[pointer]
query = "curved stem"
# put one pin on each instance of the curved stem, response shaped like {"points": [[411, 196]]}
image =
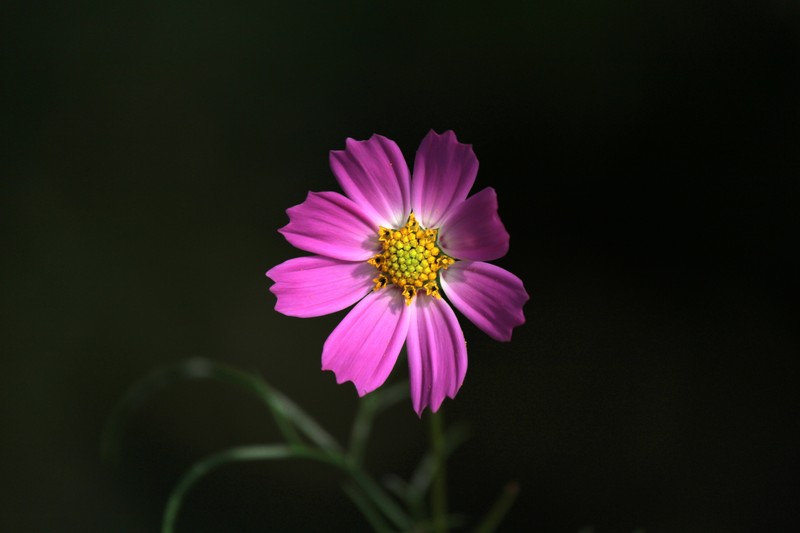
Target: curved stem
{"points": [[198, 368], [291, 421], [240, 453], [362, 480]]}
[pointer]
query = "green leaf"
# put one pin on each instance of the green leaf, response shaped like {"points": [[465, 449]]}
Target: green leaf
{"points": [[366, 507], [186, 370], [292, 422], [291, 411], [454, 436], [369, 407], [263, 452]]}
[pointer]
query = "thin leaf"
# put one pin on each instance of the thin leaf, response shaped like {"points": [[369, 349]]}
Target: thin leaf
{"points": [[386, 504], [396, 485], [241, 453], [402, 489], [454, 436], [369, 407], [196, 368], [365, 506], [289, 416], [304, 422]]}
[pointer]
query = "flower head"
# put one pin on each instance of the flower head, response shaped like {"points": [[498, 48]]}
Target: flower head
{"points": [[394, 245]]}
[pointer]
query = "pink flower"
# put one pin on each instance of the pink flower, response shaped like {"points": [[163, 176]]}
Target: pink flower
{"points": [[393, 245]]}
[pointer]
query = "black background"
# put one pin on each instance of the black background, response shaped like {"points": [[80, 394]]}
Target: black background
{"points": [[646, 160]]}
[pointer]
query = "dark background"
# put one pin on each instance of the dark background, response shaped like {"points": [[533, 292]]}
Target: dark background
{"points": [[646, 160]]}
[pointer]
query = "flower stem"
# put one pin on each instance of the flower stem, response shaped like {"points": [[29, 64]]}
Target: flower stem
{"points": [[439, 488]]}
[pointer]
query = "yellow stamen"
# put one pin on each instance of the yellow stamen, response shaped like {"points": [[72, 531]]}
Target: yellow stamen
{"points": [[410, 259]]}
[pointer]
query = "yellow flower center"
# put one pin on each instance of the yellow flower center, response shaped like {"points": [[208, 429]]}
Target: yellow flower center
{"points": [[410, 259]]}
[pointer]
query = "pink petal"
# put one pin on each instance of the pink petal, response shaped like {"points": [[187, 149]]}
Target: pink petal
{"points": [[332, 225], [374, 174], [364, 346], [437, 353], [490, 296], [444, 171], [316, 285], [473, 230]]}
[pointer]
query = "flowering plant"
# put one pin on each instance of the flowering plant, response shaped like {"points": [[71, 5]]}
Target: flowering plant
{"points": [[395, 245]]}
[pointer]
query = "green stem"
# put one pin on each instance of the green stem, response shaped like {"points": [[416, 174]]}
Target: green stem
{"points": [[365, 483], [439, 488], [240, 453], [368, 408]]}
